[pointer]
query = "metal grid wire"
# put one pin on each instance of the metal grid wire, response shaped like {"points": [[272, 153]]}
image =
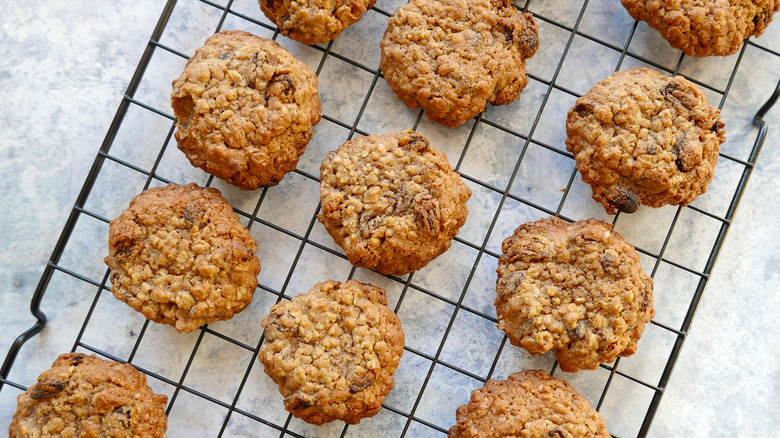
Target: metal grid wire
{"points": [[446, 350]]}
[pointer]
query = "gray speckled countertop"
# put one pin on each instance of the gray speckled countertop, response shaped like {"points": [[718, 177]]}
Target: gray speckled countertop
{"points": [[63, 70]]}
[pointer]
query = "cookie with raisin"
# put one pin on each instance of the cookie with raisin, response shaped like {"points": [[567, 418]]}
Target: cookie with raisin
{"points": [[643, 138], [577, 289], [333, 351], [181, 256], [392, 201], [245, 109]]}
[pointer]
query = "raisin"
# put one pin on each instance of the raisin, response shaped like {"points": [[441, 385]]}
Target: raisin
{"points": [[195, 217], [126, 246], [76, 361], [559, 432], [293, 403], [282, 86], [608, 262], [44, 390], [529, 40], [362, 382], [354, 389], [426, 208], [576, 334], [509, 33], [583, 109], [682, 150], [675, 91], [122, 414], [624, 199], [415, 142]]}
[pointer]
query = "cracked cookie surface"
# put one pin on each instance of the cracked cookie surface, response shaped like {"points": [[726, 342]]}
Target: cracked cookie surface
{"points": [[640, 137], [528, 404], [705, 28], [86, 396], [577, 289], [314, 21], [453, 57], [181, 256], [333, 351], [245, 109], [392, 202]]}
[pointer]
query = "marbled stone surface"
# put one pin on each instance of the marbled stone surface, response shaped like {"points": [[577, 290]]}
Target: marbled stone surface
{"points": [[65, 67]]}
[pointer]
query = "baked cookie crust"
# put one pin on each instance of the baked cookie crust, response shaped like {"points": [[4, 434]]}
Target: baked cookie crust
{"points": [[705, 28], [453, 57], [333, 351], [574, 288], [181, 256], [640, 137], [314, 21], [392, 202], [85, 395], [528, 404], [245, 109]]}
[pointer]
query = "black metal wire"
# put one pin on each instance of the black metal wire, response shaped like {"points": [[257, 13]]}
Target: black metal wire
{"points": [[408, 284]]}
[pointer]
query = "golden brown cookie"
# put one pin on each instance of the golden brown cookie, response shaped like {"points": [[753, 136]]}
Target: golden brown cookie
{"points": [[640, 137], [528, 404], [86, 396], [333, 351], [181, 256], [392, 202], [245, 109], [575, 288], [705, 28], [314, 21], [453, 57]]}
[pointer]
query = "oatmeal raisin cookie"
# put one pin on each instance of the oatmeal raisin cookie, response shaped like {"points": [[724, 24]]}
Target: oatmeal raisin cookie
{"points": [[245, 109], [86, 396], [333, 351], [453, 57], [528, 404], [181, 256], [392, 201], [640, 137], [574, 288]]}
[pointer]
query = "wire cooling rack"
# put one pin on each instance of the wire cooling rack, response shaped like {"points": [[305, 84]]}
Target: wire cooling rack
{"points": [[512, 157]]}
